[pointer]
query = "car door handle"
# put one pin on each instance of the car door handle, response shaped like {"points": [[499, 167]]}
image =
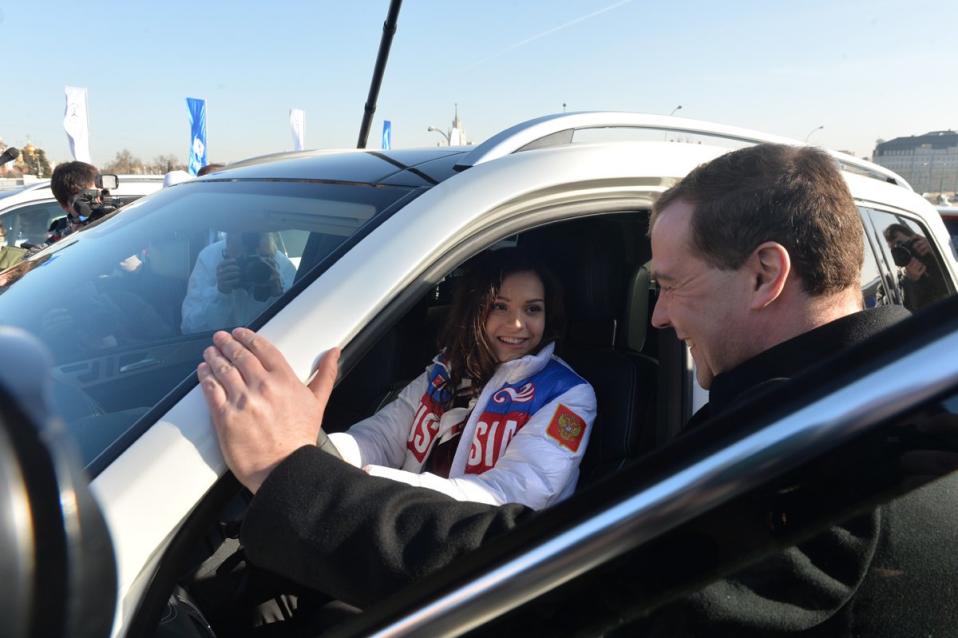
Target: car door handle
{"points": [[139, 365]]}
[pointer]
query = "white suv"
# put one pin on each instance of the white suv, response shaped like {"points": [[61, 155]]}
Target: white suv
{"points": [[376, 237], [27, 212]]}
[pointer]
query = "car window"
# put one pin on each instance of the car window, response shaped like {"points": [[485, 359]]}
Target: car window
{"points": [[916, 268], [951, 223], [874, 288], [127, 306], [29, 224]]}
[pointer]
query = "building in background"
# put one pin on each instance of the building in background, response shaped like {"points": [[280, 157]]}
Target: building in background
{"points": [[929, 162], [456, 135]]}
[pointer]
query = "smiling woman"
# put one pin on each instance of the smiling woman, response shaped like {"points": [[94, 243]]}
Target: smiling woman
{"points": [[496, 417]]}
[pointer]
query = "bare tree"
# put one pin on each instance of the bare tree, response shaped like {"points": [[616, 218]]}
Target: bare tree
{"points": [[165, 163], [125, 162]]}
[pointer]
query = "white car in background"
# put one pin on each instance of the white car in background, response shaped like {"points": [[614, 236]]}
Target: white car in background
{"points": [[376, 238], [27, 211]]}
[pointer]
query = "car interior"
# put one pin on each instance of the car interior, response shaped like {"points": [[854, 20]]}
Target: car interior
{"points": [[600, 261]]}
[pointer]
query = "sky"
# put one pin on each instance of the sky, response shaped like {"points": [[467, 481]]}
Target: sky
{"points": [[861, 70]]}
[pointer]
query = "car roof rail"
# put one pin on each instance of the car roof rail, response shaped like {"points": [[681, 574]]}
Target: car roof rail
{"points": [[559, 128]]}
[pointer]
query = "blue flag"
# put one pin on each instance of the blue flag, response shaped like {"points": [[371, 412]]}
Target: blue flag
{"points": [[387, 134], [198, 159]]}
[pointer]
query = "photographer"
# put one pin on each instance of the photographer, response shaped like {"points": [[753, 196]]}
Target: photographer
{"points": [[83, 193], [234, 280], [920, 277]]}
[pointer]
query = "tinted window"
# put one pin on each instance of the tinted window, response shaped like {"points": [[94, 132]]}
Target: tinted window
{"points": [[874, 290], [951, 223], [127, 306], [915, 265], [29, 224]]}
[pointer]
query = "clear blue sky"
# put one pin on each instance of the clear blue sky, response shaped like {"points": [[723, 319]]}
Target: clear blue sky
{"points": [[865, 69]]}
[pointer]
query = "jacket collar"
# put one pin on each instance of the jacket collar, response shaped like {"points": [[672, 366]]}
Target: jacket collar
{"points": [[786, 359], [523, 367]]}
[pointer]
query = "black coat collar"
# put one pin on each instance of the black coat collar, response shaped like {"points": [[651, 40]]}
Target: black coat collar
{"points": [[785, 360]]}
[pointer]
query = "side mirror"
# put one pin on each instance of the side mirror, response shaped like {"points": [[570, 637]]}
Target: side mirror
{"points": [[56, 558], [107, 181]]}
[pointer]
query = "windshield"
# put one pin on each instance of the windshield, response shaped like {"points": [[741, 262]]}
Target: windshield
{"points": [[127, 306]]}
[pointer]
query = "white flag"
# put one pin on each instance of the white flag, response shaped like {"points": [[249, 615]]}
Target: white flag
{"points": [[297, 126], [75, 123]]}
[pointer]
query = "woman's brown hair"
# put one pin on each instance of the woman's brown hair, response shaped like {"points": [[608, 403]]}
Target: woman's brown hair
{"points": [[463, 339]]}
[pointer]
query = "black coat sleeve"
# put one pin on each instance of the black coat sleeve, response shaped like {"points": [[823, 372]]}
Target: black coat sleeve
{"points": [[331, 527]]}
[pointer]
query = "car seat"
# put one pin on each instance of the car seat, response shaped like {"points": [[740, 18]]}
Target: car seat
{"points": [[606, 302]]}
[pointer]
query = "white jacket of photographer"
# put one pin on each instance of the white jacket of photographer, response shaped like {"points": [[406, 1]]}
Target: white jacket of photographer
{"points": [[205, 308]]}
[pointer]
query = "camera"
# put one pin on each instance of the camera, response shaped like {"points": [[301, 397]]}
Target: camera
{"points": [[93, 203], [256, 271], [902, 252]]}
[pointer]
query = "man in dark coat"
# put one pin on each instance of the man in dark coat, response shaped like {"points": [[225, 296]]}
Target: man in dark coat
{"points": [[757, 256]]}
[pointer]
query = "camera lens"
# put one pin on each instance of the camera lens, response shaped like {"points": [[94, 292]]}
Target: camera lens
{"points": [[901, 254], [257, 271]]}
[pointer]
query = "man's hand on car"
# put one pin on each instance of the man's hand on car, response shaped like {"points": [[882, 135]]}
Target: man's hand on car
{"points": [[262, 412]]}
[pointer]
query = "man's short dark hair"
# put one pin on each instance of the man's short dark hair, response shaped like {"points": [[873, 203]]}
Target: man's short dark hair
{"points": [[70, 179], [795, 196]]}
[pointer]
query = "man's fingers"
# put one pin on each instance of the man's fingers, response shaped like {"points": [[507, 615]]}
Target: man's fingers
{"points": [[269, 356], [240, 356], [212, 390], [224, 372], [324, 377]]}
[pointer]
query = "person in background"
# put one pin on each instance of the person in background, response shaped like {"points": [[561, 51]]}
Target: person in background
{"points": [[69, 181], [234, 280], [920, 276], [9, 255]]}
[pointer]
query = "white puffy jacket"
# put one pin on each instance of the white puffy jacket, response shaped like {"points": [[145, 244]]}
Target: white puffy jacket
{"points": [[522, 441]]}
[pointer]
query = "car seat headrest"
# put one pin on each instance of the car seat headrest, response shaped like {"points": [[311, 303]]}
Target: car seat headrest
{"points": [[636, 324]]}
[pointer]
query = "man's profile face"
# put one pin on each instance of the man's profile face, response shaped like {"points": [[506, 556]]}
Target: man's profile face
{"points": [[707, 306]]}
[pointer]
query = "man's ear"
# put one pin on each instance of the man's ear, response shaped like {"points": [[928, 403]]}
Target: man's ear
{"points": [[769, 266]]}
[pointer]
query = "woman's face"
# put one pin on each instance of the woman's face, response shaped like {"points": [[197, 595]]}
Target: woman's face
{"points": [[517, 318]]}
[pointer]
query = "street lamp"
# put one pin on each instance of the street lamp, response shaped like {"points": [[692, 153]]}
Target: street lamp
{"points": [[677, 108], [433, 129], [817, 128]]}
